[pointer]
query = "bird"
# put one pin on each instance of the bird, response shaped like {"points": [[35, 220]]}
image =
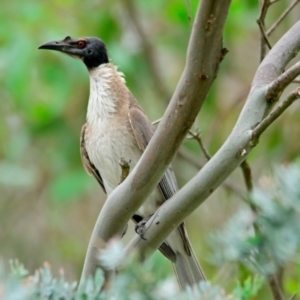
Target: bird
{"points": [[117, 127]]}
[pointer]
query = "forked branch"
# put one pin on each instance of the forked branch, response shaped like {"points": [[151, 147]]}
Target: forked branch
{"points": [[231, 154]]}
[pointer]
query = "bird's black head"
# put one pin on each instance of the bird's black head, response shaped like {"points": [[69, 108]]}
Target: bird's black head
{"points": [[90, 50]]}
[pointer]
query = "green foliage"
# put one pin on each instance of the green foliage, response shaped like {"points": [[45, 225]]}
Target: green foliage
{"points": [[48, 203], [275, 216], [133, 282], [249, 288]]}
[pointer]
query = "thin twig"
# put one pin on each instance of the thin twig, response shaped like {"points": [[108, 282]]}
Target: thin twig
{"points": [[246, 170], [264, 8], [230, 186], [247, 174], [278, 85], [273, 115], [189, 12], [263, 34], [196, 136], [148, 50], [293, 296], [281, 18], [275, 287], [157, 121], [261, 23]]}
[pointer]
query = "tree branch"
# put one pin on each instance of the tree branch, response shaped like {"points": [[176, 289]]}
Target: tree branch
{"points": [[281, 18], [264, 37], [246, 169], [247, 175], [232, 153], [275, 287], [261, 23], [273, 115], [230, 186], [196, 136], [148, 50], [277, 86], [191, 91], [293, 297]]}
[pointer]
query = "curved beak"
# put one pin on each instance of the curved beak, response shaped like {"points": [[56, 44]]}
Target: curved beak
{"points": [[62, 46]]}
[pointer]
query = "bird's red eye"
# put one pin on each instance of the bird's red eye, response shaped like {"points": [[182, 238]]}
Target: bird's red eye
{"points": [[81, 44]]}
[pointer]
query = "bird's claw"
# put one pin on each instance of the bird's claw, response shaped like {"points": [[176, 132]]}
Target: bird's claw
{"points": [[140, 227]]}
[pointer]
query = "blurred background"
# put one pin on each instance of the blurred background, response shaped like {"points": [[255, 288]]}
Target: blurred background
{"points": [[48, 204]]}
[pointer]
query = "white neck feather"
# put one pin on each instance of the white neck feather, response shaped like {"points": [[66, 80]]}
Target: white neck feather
{"points": [[101, 103]]}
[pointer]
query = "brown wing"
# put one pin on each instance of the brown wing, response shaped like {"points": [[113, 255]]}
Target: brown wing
{"points": [[87, 164], [143, 130]]}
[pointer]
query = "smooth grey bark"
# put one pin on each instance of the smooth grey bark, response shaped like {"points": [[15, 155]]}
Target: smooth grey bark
{"points": [[268, 80]]}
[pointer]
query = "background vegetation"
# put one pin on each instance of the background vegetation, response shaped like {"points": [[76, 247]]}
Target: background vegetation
{"points": [[48, 203]]}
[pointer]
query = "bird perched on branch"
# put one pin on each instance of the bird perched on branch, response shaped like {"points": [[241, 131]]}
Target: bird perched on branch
{"points": [[118, 128]]}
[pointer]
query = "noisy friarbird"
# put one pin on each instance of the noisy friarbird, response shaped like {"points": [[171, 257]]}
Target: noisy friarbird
{"points": [[116, 128]]}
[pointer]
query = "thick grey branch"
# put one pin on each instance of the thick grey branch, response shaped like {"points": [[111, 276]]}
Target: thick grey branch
{"points": [[229, 157], [203, 58]]}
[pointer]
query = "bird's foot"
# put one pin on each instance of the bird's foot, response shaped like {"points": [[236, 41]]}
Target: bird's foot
{"points": [[140, 227]]}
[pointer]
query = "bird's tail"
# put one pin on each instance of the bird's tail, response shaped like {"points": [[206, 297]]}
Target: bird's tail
{"points": [[187, 269]]}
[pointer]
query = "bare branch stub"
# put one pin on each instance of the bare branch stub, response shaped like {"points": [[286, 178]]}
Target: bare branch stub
{"points": [[125, 166], [197, 136]]}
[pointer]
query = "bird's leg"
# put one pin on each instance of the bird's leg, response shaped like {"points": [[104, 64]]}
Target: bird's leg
{"points": [[125, 166]]}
